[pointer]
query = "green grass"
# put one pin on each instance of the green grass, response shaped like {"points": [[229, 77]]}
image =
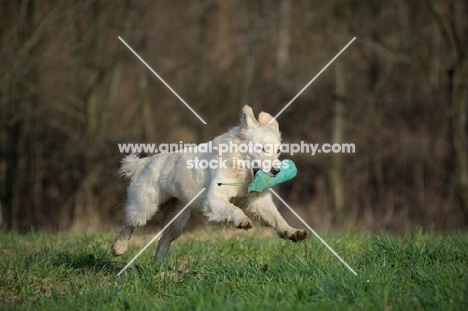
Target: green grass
{"points": [[65, 272]]}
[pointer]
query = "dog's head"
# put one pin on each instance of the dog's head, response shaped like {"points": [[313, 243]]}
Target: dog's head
{"points": [[264, 140]]}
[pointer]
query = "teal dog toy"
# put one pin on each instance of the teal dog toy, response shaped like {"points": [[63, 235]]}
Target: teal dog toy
{"points": [[263, 181]]}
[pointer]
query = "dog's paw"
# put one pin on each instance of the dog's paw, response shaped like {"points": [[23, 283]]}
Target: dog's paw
{"points": [[294, 235], [119, 247], [245, 224], [299, 235]]}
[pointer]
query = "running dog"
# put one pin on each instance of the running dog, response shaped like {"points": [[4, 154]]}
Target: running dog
{"points": [[166, 182]]}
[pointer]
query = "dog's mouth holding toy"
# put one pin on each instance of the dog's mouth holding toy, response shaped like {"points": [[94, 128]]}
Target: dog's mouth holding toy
{"points": [[263, 181], [272, 172], [255, 170]]}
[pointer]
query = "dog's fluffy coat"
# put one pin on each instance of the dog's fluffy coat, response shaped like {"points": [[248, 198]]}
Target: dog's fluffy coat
{"points": [[164, 183]]}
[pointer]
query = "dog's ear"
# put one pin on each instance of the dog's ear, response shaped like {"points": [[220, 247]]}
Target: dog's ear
{"points": [[265, 118], [248, 117]]}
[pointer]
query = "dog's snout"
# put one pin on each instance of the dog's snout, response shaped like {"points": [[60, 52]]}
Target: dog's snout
{"points": [[275, 170]]}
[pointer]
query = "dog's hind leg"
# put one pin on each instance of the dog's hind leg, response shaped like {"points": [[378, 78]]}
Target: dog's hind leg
{"points": [[137, 210], [120, 245], [173, 231]]}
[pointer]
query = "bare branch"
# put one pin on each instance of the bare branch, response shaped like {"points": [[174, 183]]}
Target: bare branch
{"points": [[447, 33]]}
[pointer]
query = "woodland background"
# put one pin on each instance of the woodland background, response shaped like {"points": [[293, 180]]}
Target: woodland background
{"points": [[70, 91]]}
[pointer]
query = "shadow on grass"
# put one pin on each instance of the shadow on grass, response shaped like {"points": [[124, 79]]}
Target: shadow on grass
{"points": [[92, 263], [85, 262]]}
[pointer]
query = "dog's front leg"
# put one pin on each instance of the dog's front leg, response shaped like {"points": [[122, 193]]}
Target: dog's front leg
{"points": [[218, 209], [265, 209]]}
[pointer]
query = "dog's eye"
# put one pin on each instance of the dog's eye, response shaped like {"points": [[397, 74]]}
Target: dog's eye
{"points": [[278, 151]]}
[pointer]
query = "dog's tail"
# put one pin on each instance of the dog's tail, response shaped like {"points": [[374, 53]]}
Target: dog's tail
{"points": [[132, 165]]}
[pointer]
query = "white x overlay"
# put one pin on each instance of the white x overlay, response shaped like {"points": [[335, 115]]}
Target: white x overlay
{"points": [[313, 231], [162, 80], [313, 79], [271, 190], [160, 232]]}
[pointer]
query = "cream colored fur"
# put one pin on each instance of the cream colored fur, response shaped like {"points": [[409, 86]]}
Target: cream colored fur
{"points": [[164, 183]]}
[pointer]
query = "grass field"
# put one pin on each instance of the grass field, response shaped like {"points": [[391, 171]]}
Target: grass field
{"points": [[212, 269]]}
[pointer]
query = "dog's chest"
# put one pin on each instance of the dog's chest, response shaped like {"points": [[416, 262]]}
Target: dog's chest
{"points": [[242, 201]]}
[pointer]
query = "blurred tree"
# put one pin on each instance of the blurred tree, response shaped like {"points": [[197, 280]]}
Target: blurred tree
{"points": [[70, 91], [336, 171], [453, 28], [23, 159], [253, 19], [284, 37]]}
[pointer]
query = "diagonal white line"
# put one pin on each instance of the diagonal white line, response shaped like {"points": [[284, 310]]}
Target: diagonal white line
{"points": [[312, 230], [160, 232], [162, 80], [313, 79]]}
